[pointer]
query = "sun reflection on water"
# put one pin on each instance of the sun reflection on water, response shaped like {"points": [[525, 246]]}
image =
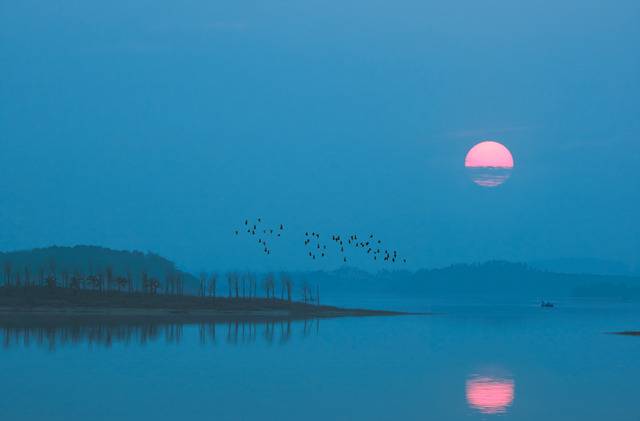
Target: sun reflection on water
{"points": [[490, 395]]}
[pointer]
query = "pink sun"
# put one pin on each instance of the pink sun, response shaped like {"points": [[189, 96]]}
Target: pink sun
{"points": [[489, 163]]}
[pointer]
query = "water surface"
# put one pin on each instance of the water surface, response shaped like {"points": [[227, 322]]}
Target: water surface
{"points": [[474, 360]]}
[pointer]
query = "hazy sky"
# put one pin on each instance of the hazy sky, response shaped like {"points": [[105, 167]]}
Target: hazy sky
{"points": [[160, 125]]}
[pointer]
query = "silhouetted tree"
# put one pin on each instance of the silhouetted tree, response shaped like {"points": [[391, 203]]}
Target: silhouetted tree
{"points": [[269, 285], [306, 292], [65, 278], [27, 276], [203, 284], [8, 270], [286, 286], [232, 283], [252, 285], [213, 280], [52, 267], [129, 281], [109, 275], [121, 283], [41, 276]]}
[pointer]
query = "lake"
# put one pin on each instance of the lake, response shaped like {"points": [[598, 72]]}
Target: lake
{"points": [[472, 360]]}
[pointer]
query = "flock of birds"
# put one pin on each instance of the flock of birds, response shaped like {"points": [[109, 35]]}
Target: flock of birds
{"points": [[257, 229], [319, 247], [371, 246]]}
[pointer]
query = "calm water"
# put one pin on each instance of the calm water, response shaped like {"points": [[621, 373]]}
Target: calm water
{"points": [[471, 362]]}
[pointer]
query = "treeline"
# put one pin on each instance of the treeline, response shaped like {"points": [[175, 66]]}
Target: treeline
{"points": [[248, 285], [104, 270], [99, 279]]}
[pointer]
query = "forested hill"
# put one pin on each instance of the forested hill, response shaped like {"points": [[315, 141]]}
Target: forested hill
{"points": [[494, 278], [34, 265]]}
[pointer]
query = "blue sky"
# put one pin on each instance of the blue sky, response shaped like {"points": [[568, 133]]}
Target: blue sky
{"points": [[162, 125]]}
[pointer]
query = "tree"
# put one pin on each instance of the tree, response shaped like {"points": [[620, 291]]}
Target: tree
{"points": [[179, 284], [232, 283], [287, 286], [129, 281], [121, 282], [76, 280], [306, 292], [65, 278], [27, 276], [144, 277], [41, 276], [52, 267], [244, 281], [109, 275], [8, 269], [236, 284], [51, 281], [213, 280], [269, 285], [203, 284], [252, 285]]}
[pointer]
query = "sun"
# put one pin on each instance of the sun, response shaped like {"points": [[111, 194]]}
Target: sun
{"points": [[489, 163]]}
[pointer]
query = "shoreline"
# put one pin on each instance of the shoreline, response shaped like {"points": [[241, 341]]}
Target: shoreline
{"points": [[65, 303], [187, 313]]}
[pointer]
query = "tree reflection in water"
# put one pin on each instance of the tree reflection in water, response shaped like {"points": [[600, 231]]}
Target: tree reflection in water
{"points": [[52, 334]]}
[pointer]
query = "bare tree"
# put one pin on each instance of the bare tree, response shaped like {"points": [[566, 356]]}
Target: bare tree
{"points": [[121, 282], [203, 284], [76, 280], [179, 284], [41, 276], [149, 285], [244, 281], [306, 292], [232, 282], [269, 285], [51, 281], [213, 280], [236, 284], [109, 275], [8, 270], [65, 278], [129, 281], [52, 267], [27, 276], [252, 285], [144, 277], [287, 286], [154, 284]]}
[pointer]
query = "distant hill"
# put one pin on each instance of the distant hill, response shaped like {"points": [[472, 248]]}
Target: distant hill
{"points": [[584, 265], [88, 260], [496, 278]]}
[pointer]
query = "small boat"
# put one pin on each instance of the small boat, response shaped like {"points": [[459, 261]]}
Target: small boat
{"points": [[547, 304]]}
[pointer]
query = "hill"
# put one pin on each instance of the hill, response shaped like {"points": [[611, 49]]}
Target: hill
{"points": [[494, 278], [35, 266]]}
